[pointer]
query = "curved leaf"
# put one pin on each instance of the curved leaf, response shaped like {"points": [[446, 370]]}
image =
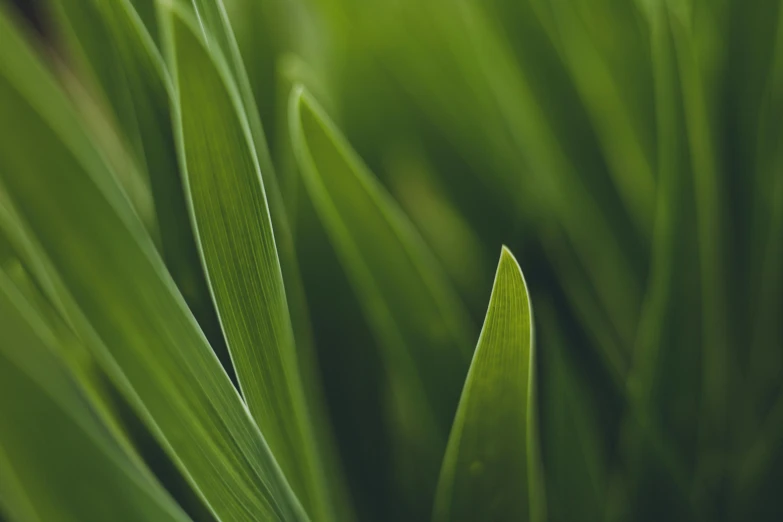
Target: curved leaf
{"points": [[49, 430], [139, 327], [416, 318], [393, 272], [695, 72], [117, 50], [218, 32], [618, 128], [491, 467], [233, 225]]}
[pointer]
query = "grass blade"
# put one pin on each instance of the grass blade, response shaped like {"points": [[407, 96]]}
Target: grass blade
{"points": [[454, 241], [218, 32], [574, 459], [707, 189], [374, 234], [232, 221], [49, 430], [139, 327], [518, 138], [491, 467], [597, 84], [119, 53], [660, 387], [419, 325]]}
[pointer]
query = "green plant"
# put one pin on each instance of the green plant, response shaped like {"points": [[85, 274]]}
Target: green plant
{"points": [[203, 317]]}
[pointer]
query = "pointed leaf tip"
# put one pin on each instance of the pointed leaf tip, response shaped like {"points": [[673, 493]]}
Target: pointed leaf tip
{"points": [[491, 463]]}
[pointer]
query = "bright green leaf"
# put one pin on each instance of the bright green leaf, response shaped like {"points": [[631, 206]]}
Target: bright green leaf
{"points": [[218, 32], [491, 468], [139, 327], [49, 430], [232, 222]]}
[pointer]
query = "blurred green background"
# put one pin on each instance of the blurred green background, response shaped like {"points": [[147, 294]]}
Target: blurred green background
{"points": [[630, 154]]}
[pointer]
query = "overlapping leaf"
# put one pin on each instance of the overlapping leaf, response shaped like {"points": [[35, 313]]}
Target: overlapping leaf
{"points": [[122, 301], [659, 429], [36, 468], [395, 276], [695, 70], [442, 57], [218, 32], [417, 320], [114, 45], [573, 454], [619, 131], [232, 222]]}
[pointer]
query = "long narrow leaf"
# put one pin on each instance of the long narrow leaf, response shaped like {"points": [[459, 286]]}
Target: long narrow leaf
{"points": [[139, 327], [232, 221], [709, 216], [219, 34], [120, 54], [419, 325], [574, 458], [631, 169], [372, 236], [49, 430]]}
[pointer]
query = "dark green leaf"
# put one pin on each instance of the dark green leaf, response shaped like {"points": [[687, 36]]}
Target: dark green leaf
{"points": [[418, 321]]}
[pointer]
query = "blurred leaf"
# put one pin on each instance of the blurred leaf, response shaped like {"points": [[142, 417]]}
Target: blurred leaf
{"points": [[491, 468], [116, 48], [586, 306], [113, 48], [417, 319], [759, 467], [574, 459], [449, 235], [375, 239], [447, 67], [570, 200], [698, 48], [659, 435], [292, 70], [607, 104], [139, 327], [147, 10], [49, 431], [38, 281], [766, 295], [232, 221], [21, 246], [354, 380], [68, 348]]}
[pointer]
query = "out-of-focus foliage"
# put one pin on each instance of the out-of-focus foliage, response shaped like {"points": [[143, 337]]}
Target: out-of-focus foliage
{"points": [[246, 246]]}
